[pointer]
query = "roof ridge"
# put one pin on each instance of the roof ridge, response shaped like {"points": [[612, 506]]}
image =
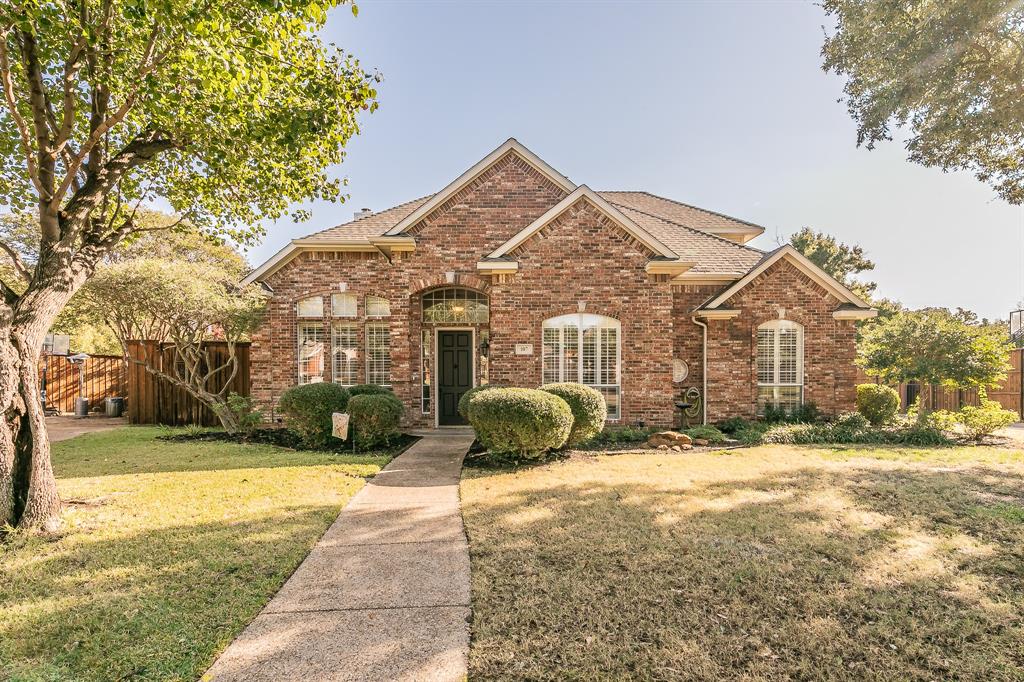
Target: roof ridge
{"points": [[686, 227], [683, 203]]}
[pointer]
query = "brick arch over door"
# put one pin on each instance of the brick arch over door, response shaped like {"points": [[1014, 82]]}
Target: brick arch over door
{"points": [[440, 280]]}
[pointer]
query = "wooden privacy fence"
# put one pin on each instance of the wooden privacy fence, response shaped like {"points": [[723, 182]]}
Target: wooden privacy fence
{"points": [[104, 376], [1010, 394], [154, 400]]}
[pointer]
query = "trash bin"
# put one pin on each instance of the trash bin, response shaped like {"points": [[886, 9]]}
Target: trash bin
{"points": [[115, 407], [81, 407]]}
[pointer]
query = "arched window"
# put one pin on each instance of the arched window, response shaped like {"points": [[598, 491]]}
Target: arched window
{"points": [[455, 305], [780, 365], [584, 348]]}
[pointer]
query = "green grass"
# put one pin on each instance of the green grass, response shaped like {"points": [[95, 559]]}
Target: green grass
{"points": [[768, 563], [168, 550]]}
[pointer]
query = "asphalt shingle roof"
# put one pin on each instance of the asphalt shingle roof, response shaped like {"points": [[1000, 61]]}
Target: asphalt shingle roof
{"points": [[679, 226]]}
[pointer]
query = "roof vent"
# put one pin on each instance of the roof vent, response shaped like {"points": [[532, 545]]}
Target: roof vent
{"points": [[362, 213]]}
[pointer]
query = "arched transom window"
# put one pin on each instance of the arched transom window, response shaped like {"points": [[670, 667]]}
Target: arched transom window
{"points": [[584, 348], [455, 305], [780, 365]]}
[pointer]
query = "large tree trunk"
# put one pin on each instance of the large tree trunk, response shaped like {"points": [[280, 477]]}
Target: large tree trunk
{"points": [[28, 490]]}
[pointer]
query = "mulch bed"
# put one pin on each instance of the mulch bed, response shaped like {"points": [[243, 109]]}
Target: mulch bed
{"points": [[283, 438]]}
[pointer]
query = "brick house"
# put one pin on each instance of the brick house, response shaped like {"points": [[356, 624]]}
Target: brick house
{"points": [[515, 275]]}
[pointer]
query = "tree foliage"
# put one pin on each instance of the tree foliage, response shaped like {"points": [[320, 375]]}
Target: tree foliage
{"points": [[934, 346], [836, 258], [184, 304], [226, 111], [951, 73]]}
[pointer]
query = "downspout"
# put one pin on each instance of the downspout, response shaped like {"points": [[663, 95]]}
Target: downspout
{"points": [[704, 372]]}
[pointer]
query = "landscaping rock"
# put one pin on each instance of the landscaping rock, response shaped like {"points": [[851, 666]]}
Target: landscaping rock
{"points": [[669, 438], [677, 448], [663, 447], [702, 442]]}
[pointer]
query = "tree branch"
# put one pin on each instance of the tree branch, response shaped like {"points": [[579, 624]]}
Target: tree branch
{"points": [[23, 128], [19, 265], [38, 102]]}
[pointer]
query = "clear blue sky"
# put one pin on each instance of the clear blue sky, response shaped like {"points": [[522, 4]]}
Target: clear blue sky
{"points": [[722, 105]]}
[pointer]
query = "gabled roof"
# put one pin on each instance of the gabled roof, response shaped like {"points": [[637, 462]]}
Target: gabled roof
{"points": [[685, 214], [511, 145], [373, 225], [585, 193], [803, 264]]}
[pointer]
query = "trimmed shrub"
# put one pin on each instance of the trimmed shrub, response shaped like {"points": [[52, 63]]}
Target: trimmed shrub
{"points": [[308, 408], [878, 403], [520, 422], [588, 409], [733, 425], [850, 429], [463, 406], [708, 433], [375, 418], [369, 389]]}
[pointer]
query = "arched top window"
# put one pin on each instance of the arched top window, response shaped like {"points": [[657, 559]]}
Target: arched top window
{"points": [[780, 365], [377, 306], [455, 305], [584, 348], [311, 306]]}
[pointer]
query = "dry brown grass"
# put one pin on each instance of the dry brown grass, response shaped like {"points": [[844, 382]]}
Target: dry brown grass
{"points": [[760, 564]]}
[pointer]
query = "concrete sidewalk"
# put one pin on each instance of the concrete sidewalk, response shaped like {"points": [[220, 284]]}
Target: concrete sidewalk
{"points": [[384, 595]]}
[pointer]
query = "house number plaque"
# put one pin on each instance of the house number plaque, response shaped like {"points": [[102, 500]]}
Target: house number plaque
{"points": [[524, 349]]}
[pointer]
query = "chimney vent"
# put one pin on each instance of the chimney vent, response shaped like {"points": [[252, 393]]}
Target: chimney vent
{"points": [[362, 213]]}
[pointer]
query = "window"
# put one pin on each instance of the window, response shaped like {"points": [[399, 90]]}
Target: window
{"points": [[377, 307], [427, 353], [345, 346], [584, 348], [378, 354], [310, 307], [311, 352], [455, 305], [780, 365], [343, 305]]}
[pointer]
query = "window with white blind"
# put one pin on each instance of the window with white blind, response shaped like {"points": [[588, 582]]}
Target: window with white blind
{"points": [[378, 353], [780, 365], [343, 305], [311, 352], [312, 306], [345, 347], [377, 306], [584, 348]]}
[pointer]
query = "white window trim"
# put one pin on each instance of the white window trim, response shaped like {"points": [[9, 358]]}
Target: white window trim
{"points": [[776, 326], [366, 344], [604, 322]]}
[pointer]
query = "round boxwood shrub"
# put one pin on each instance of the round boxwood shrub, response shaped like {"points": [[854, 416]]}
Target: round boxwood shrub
{"points": [[375, 418], [878, 403], [369, 389], [468, 395], [520, 422], [307, 410], [588, 409]]}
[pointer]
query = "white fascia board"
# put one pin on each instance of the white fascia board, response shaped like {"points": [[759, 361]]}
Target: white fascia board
{"points": [[804, 265], [855, 314], [717, 314], [500, 266], [478, 168], [584, 192], [668, 267], [297, 246], [707, 277]]}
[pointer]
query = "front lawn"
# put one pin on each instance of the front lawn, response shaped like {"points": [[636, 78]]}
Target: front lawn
{"points": [[169, 549], [774, 562]]}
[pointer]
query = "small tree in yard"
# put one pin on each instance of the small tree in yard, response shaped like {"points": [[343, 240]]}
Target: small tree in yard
{"points": [[228, 111], [186, 305], [935, 347]]}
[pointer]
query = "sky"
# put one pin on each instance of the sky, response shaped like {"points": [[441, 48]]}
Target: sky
{"points": [[719, 104]]}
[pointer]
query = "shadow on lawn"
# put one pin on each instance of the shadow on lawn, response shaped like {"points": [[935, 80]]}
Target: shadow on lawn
{"points": [[153, 605], [823, 573]]}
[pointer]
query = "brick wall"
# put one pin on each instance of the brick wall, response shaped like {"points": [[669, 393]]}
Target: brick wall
{"points": [[829, 344]]}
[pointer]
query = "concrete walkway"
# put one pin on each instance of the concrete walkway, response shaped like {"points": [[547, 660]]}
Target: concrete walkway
{"points": [[384, 595], [63, 427]]}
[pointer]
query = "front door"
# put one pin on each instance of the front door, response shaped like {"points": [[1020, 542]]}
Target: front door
{"points": [[455, 373]]}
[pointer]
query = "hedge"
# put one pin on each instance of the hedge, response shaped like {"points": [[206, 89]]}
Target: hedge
{"points": [[878, 403], [307, 410], [588, 409], [375, 417], [520, 422]]}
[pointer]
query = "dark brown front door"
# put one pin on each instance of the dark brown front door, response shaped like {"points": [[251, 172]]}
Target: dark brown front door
{"points": [[455, 374]]}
